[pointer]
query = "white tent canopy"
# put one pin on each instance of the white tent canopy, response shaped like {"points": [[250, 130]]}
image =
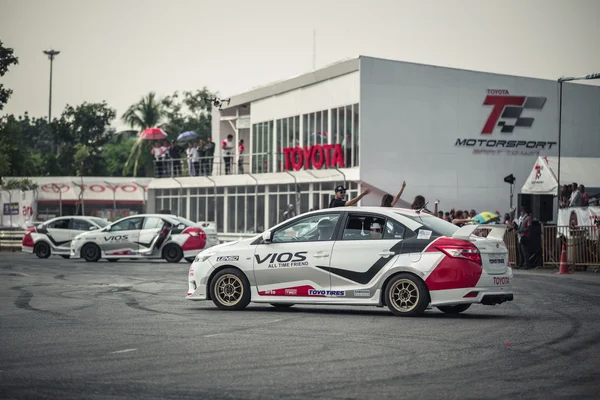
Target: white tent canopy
{"points": [[543, 178]]}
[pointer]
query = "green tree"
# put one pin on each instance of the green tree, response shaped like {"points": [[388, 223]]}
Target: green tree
{"points": [[190, 113], [6, 60], [146, 113], [89, 123]]}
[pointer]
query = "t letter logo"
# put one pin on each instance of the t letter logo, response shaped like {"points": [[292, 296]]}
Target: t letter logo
{"points": [[510, 107]]}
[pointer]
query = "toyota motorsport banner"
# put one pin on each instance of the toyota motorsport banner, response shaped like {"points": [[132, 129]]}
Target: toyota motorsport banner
{"points": [[17, 208], [587, 218]]}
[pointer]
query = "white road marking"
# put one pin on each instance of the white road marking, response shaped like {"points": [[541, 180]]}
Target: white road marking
{"points": [[123, 351]]}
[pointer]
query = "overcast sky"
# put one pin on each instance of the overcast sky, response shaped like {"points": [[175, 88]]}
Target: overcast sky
{"points": [[119, 50]]}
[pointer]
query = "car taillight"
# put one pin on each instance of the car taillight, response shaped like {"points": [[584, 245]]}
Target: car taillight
{"points": [[27, 239], [194, 231], [459, 250]]}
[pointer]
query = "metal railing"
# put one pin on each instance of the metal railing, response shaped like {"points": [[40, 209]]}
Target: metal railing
{"points": [[255, 163], [582, 245], [11, 240]]}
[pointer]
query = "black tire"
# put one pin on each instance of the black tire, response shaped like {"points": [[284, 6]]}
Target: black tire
{"points": [[90, 252], [190, 259], [407, 289], [63, 256], [282, 305], [112, 259], [233, 280], [42, 250], [457, 309], [172, 253]]}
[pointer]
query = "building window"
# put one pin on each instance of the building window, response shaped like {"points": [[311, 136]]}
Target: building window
{"points": [[345, 131]]}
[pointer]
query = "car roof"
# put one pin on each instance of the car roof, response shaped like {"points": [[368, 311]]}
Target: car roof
{"points": [[376, 209], [169, 217]]}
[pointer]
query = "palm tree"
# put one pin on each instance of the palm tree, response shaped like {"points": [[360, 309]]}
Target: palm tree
{"points": [[146, 113]]}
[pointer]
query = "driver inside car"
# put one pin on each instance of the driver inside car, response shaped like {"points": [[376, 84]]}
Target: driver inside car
{"points": [[325, 228]]}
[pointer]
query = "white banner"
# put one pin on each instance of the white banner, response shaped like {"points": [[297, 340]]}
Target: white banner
{"points": [[18, 208], [586, 218], [94, 188]]}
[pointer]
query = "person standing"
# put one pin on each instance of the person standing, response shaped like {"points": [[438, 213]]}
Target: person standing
{"points": [[202, 158], [227, 147], [241, 149], [196, 160], [191, 150], [389, 201], [209, 153], [176, 158], [340, 194], [523, 225]]}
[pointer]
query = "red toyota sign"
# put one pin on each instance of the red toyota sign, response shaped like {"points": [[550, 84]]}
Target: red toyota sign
{"points": [[314, 157]]}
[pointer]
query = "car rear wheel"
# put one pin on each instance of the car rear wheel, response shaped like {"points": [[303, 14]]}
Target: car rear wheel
{"points": [[281, 305], [406, 295], [172, 253], [230, 289], [42, 249], [457, 309], [90, 252]]}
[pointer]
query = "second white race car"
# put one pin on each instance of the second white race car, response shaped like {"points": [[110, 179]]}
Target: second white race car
{"points": [[364, 256], [152, 236]]}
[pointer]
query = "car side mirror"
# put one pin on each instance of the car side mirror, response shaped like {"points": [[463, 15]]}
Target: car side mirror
{"points": [[93, 228], [267, 236]]}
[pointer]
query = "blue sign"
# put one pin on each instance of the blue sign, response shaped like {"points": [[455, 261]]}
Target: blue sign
{"points": [[11, 209]]}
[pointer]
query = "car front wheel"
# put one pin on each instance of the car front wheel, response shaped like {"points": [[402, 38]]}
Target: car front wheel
{"points": [[406, 295], [230, 289], [457, 309], [90, 252]]}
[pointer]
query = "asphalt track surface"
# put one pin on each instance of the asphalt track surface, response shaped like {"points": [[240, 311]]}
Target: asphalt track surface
{"points": [[74, 330]]}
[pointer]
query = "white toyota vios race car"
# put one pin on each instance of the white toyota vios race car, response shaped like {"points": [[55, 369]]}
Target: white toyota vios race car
{"points": [[54, 236], [364, 256], [152, 236]]}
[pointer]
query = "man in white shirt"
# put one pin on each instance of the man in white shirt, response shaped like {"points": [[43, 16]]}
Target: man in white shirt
{"points": [[192, 154], [227, 147], [157, 152]]}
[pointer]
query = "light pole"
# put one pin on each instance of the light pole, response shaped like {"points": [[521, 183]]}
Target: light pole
{"points": [[560, 82], [51, 54]]}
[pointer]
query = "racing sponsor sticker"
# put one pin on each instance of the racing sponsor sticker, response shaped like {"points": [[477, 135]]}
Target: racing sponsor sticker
{"points": [[424, 234], [228, 258], [291, 292], [334, 293], [503, 280], [362, 293]]}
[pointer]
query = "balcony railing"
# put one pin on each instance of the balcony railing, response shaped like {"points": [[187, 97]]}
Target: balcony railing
{"points": [[255, 163]]}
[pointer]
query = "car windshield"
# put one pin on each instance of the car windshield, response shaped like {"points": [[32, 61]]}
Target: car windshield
{"points": [[101, 222], [434, 223]]}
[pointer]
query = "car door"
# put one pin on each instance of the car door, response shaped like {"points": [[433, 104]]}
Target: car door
{"points": [[154, 232], [296, 261], [59, 234], [122, 237], [79, 225], [367, 244]]}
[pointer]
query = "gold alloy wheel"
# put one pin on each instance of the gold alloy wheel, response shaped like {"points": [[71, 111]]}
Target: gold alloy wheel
{"points": [[229, 289], [404, 295]]}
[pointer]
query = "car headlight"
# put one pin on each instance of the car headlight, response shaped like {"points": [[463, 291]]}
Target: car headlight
{"points": [[205, 255]]}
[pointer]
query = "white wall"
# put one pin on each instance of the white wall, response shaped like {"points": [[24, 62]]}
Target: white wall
{"points": [[411, 116], [336, 92]]}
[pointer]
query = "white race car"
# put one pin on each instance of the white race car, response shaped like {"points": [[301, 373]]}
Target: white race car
{"points": [[153, 236], [54, 236], [364, 256]]}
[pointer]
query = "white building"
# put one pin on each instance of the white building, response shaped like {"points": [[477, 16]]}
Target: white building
{"points": [[452, 134]]}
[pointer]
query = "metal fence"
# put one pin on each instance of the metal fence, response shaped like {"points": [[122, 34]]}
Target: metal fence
{"points": [[582, 246]]}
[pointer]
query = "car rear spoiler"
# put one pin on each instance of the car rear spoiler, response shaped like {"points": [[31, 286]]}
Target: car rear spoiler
{"points": [[496, 231]]}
